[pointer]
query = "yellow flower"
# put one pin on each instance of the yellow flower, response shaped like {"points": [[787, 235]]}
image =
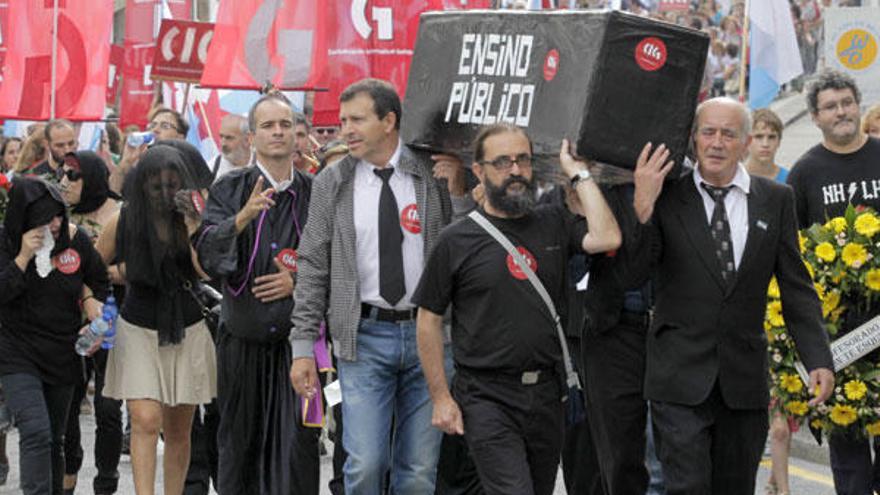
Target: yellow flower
{"points": [[802, 242], [873, 429], [797, 407], [774, 313], [872, 279], [820, 290], [843, 415], [830, 303], [791, 383], [854, 254], [810, 270], [817, 424], [867, 224], [855, 389], [825, 251], [773, 288], [837, 224]]}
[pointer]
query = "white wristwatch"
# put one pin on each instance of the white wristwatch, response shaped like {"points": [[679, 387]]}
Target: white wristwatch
{"points": [[580, 176]]}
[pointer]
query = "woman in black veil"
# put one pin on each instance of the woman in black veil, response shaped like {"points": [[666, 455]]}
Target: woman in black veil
{"points": [[163, 361]]}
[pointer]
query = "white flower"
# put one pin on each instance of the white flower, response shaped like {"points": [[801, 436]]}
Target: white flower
{"points": [[782, 336], [841, 242], [777, 357]]}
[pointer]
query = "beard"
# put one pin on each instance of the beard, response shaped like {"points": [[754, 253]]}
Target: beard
{"points": [[514, 204]]}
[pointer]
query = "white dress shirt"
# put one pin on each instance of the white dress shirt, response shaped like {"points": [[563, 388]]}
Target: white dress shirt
{"points": [[278, 186], [367, 189], [736, 204]]}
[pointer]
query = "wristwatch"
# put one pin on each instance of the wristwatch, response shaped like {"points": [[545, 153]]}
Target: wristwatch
{"points": [[580, 176]]}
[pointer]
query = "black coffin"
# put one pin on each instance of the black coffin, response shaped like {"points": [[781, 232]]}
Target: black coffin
{"points": [[609, 81]]}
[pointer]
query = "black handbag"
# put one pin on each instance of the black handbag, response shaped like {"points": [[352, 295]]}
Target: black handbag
{"points": [[209, 301]]}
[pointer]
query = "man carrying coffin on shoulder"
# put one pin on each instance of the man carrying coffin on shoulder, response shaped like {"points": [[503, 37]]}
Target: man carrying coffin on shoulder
{"points": [[507, 390]]}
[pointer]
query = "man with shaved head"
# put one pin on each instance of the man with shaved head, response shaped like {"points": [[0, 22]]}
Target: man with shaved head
{"points": [[716, 237]]}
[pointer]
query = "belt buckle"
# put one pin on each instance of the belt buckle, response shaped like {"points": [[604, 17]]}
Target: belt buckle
{"points": [[530, 377]]}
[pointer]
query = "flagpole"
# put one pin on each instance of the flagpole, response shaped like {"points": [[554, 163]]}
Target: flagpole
{"points": [[205, 120], [54, 59], [744, 53]]}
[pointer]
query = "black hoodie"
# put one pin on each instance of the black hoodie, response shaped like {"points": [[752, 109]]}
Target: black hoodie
{"points": [[41, 316]]}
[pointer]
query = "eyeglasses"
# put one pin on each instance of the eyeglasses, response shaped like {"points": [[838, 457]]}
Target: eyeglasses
{"points": [[831, 106], [325, 130], [162, 125], [72, 175], [504, 163]]}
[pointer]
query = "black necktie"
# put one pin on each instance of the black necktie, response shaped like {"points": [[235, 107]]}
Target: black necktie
{"points": [[720, 228], [392, 285]]}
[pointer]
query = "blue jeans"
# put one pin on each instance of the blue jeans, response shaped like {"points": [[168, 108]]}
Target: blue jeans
{"points": [[384, 387], [40, 412]]}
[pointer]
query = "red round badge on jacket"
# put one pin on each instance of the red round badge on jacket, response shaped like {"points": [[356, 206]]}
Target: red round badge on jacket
{"points": [[287, 257], [409, 219], [515, 269], [651, 54], [551, 64], [198, 201], [67, 261]]}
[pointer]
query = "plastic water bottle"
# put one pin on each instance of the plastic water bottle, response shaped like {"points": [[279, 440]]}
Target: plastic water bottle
{"points": [[136, 139], [110, 312], [105, 326]]}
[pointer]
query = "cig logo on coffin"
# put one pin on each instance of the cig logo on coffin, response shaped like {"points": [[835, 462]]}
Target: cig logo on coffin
{"points": [[498, 89]]}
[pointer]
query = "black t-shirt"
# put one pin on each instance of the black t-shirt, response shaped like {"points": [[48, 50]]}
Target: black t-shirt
{"points": [[499, 322], [825, 182]]}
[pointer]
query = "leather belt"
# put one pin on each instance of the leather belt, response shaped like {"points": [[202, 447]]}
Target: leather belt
{"points": [[529, 377], [381, 314]]}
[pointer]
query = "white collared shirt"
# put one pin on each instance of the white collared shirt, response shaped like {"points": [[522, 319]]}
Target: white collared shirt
{"points": [[278, 186], [367, 189], [736, 203]]}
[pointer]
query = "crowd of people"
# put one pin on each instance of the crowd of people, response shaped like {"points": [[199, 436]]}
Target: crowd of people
{"points": [[484, 330]]}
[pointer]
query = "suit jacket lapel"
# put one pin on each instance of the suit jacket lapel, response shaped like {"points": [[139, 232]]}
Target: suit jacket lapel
{"points": [[692, 215], [758, 223]]}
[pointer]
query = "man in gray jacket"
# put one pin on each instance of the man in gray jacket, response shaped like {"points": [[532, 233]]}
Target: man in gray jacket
{"points": [[373, 219]]}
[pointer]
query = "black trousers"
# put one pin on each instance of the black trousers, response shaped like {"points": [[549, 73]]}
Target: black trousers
{"points": [[514, 431], [263, 447], [203, 451], [614, 377], [854, 472], [40, 412], [709, 448], [108, 428]]}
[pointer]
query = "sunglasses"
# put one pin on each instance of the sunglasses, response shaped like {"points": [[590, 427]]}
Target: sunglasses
{"points": [[325, 130], [71, 174]]}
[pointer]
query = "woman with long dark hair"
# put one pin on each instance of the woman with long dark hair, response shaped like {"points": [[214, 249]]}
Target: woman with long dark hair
{"points": [[163, 360], [41, 313]]}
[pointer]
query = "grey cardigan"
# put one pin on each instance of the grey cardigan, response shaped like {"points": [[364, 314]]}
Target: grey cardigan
{"points": [[327, 277]]}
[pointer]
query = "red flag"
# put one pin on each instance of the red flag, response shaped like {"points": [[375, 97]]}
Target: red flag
{"points": [[137, 88], [114, 74], [83, 51], [4, 23], [372, 38], [267, 41]]}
